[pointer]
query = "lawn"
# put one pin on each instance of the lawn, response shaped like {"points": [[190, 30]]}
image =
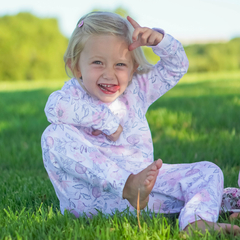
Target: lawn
{"points": [[195, 121]]}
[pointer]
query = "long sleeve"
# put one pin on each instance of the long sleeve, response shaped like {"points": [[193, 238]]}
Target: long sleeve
{"points": [[84, 179], [71, 106], [165, 74]]}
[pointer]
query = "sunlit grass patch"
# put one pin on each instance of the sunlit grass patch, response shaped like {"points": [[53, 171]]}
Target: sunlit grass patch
{"points": [[210, 77], [7, 86], [198, 120]]}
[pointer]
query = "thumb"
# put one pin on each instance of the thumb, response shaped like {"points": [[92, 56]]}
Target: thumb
{"points": [[134, 45]]}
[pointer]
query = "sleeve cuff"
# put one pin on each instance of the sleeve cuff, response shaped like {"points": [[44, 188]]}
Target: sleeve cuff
{"points": [[162, 49], [111, 127], [160, 30]]}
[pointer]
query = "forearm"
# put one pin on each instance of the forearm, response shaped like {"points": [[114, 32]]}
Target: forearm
{"points": [[166, 73], [63, 108], [173, 58]]}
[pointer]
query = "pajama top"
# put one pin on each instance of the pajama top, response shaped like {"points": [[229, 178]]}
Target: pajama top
{"points": [[74, 114]]}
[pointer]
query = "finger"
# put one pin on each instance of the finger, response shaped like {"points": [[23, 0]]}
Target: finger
{"points": [[96, 132], [112, 137], [152, 40], [138, 32], [140, 37], [108, 136], [133, 22], [155, 38], [134, 45], [144, 38]]}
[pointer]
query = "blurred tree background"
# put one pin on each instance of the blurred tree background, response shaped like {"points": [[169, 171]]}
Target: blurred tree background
{"points": [[33, 48], [214, 56]]}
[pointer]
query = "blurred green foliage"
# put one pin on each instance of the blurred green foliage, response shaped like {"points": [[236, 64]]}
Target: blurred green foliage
{"points": [[33, 48], [208, 57], [214, 56]]}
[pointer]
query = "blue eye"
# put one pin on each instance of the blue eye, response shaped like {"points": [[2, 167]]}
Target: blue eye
{"points": [[121, 64], [97, 62]]}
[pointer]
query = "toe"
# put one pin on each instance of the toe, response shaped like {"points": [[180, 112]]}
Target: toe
{"points": [[158, 163], [234, 216]]}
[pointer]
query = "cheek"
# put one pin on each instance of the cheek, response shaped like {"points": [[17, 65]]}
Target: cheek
{"points": [[126, 76], [90, 74], [130, 76]]}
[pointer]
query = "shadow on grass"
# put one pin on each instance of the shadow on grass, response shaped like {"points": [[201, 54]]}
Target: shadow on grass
{"points": [[22, 121], [24, 181]]}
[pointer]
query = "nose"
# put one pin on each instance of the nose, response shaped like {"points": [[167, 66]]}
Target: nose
{"points": [[108, 73]]}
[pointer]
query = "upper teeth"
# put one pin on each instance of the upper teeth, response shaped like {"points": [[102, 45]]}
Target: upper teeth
{"points": [[105, 85]]}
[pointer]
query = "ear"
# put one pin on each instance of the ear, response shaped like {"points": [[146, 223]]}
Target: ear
{"points": [[69, 64], [76, 72], [135, 67]]}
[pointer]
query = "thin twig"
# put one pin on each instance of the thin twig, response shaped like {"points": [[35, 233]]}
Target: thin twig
{"points": [[138, 209]]}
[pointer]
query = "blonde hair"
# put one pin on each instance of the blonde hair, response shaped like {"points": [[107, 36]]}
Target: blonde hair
{"points": [[97, 23]]}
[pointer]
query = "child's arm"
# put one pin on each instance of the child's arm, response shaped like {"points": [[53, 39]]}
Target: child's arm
{"points": [[68, 106], [167, 72]]}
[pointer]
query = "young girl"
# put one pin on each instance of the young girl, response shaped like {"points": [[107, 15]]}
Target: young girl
{"points": [[98, 149]]}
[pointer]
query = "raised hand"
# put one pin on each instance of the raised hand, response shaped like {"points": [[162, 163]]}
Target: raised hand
{"points": [[143, 36]]}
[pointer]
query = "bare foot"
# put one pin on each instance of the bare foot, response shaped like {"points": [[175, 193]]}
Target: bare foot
{"points": [[211, 226], [234, 216], [144, 181]]}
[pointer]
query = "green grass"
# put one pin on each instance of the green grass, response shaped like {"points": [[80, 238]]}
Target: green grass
{"points": [[197, 120]]}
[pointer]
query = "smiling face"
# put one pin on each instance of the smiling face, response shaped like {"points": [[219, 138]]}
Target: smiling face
{"points": [[106, 67]]}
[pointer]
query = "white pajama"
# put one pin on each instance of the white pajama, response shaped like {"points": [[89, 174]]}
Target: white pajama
{"points": [[89, 172]]}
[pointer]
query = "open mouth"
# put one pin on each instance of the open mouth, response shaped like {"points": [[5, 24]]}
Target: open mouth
{"points": [[109, 88]]}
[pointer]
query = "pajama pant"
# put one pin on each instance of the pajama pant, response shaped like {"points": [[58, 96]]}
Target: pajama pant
{"points": [[193, 190]]}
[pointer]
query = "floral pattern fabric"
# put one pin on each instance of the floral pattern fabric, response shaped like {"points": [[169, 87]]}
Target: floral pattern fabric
{"points": [[231, 200], [88, 172]]}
